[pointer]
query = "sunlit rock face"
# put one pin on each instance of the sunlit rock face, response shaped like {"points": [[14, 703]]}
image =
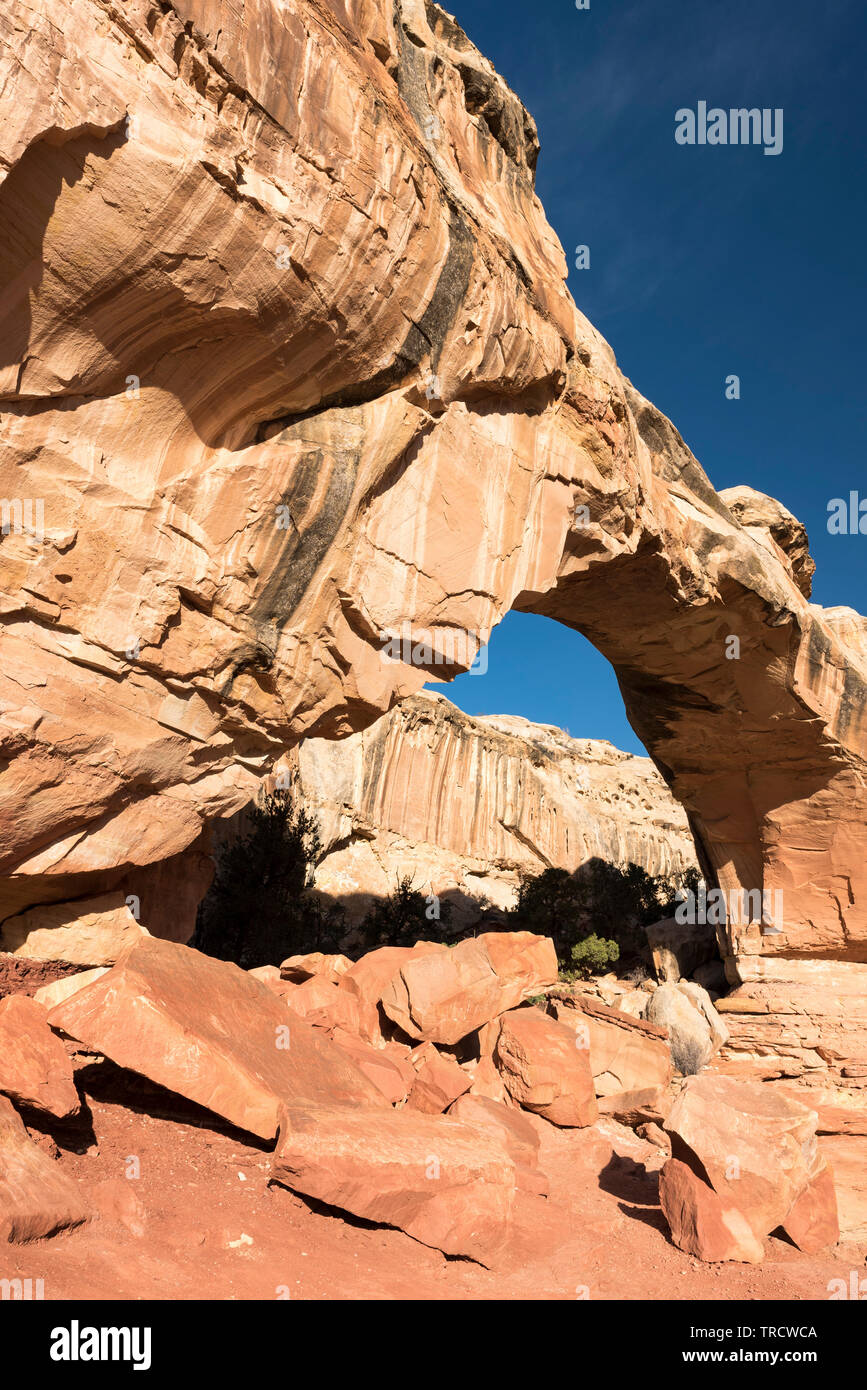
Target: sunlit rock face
{"points": [[287, 360], [464, 805]]}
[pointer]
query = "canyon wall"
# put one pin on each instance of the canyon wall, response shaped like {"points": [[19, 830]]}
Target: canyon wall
{"points": [[288, 361], [464, 804]]}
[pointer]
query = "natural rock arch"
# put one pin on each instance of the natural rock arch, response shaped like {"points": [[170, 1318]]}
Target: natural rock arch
{"points": [[296, 364]]}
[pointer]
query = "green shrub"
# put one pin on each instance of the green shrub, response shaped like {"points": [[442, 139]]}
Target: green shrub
{"points": [[604, 899], [593, 954]]}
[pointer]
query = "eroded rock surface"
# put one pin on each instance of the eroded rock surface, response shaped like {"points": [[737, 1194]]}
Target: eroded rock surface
{"points": [[464, 804], [288, 364]]}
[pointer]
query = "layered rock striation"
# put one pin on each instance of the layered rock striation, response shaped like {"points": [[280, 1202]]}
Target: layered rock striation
{"points": [[465, 804], [288, 362]]}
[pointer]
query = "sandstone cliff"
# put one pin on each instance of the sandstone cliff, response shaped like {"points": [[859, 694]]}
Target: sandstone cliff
{"points": [[288, 360], [463, 804]]}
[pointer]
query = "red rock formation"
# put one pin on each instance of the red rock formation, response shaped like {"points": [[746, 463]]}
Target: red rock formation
{"points": [[288, 362]]}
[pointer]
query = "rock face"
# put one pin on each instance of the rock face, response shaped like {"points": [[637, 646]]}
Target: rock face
{"points": [[289, 368], [520, 797]]}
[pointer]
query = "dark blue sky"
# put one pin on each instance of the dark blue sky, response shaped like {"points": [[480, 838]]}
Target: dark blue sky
{"points": [[704, 262]]}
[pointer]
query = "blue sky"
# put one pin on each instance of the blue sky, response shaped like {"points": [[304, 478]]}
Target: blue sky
{"points": [[704, 262]]}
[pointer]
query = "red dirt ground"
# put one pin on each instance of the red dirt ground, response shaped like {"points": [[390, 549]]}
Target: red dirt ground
{"points": [[202, 1187]]}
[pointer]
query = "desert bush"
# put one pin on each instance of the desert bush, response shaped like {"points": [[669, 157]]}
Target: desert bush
{"points": [[599, 899], [404, 917], [261, 907], [593, 955]]}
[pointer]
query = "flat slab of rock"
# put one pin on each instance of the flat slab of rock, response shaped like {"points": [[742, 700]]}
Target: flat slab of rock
{"points": [[36, 1198], [206, 1030], [449, 1185], [544, 1070], [448, 993], [34, 1067]]}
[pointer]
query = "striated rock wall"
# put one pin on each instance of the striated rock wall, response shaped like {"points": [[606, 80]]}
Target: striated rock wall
{"points": [[464, 803], [287, 360]]}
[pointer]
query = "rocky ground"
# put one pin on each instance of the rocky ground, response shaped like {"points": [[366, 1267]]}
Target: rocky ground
{"points": [[146, 1164], [204, 1187]]}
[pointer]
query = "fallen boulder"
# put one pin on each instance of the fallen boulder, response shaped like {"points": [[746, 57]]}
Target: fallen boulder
{"points": [[702, 1223], [206, 1030], [301, 968], [446, 994], [439, 1080], [367, 980], [36, 1197], [691, 1041], [757, 1150], [34, 1068], [544, 1070], [449, 1185], [388, 1067], [626, 1054]]}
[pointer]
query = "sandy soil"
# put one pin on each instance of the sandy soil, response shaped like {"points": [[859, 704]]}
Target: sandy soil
{"points": [[201, 1222]]}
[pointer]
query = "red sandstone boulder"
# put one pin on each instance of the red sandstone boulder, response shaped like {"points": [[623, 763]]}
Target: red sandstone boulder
{"points": [[388, 1067], [754, 1150], [757, 1148], [447, 1184], [702, 1223], [439, 1080], [208, 1031], [812, 1223], [310, 998], [36, 1198], [543, 1070], [34, 1067], [486, 1080], [301, 968], [450, 992], [367, 980]]}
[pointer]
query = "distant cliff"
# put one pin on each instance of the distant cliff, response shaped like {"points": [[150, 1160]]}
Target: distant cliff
{"points": [[463, 804]]}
